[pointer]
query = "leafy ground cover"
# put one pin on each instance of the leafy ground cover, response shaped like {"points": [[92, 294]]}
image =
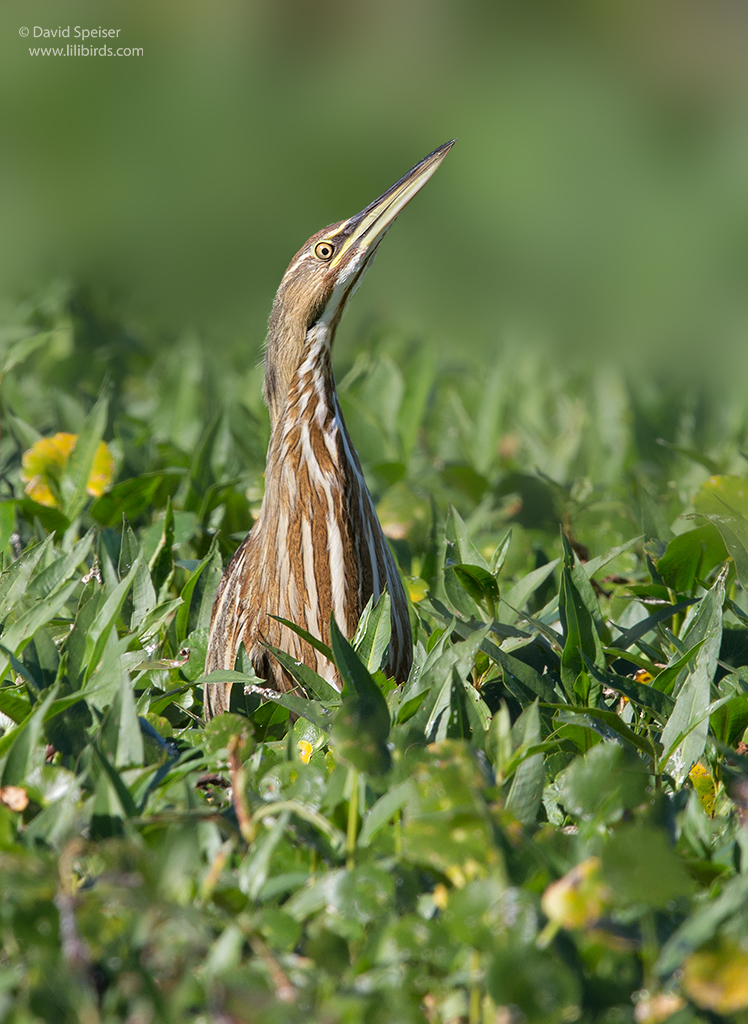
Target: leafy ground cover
{"points": [[547, 822]]}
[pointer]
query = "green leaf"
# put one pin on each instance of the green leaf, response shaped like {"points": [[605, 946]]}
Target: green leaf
{"points": [[499, 745], [129, 737], [480, 585], [706, 922], [53, 825], [153, 621], [610, 724], [444, 674], [307, 677], [314, 896], [306, 813], [684, 736], [112, 802], [313, 711], [323, 649], [723, 500], [21, 741], [645, 696], [581, 622], [535, 980], [161, 564], [22, 349], [362, 723], [691, 556], [447, 823], [63, 703], [11, 704], [499, 556], [102, 686], [160, 704], [517, 596], [128, 498], [255, 867], [651, 517], [36, 683], [100, 630], [455, 722], [218, 734], [526, 789], [51, 709], [384, 810], [594, 565], [629, 637], [536, 684], [463, 551], [15, 580], [664, 681], [691, 453], [40, 613], [74, 480], [357, 680], [182, 621], [219, 676], [704, 622], [604, 784], [225, 953], [197, 645], [373, 632], [46, 582], [26, 435], [142, 594], [7, 522], [641, 868], [458, 597]]}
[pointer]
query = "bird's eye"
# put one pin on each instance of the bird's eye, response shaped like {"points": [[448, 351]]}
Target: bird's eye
{"points": [[323, 251]]}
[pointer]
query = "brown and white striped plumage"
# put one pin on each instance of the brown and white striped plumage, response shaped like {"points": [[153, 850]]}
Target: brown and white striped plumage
{"points": [[317, 547]]}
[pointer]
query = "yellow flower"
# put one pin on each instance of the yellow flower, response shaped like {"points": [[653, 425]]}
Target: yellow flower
{"points": [[440, 895], [578, 899], [102, 471], [305, 751], [717, 979], [45, 462], [456, 876], [654, 1009], [703, 783], [417, 588]]}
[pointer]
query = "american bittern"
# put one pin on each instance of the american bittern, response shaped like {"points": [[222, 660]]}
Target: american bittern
{"points": [[317, 546]]}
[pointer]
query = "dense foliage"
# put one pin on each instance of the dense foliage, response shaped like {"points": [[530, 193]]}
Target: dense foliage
{"points": [[547, 822]]}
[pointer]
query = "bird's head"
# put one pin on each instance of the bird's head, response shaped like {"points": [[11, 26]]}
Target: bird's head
{"points": [[323, 275]]}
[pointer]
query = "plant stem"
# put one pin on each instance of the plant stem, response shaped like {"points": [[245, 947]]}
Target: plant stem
{"points": [[474, 1009], [238, 783], [350, 844], [649, 949]]}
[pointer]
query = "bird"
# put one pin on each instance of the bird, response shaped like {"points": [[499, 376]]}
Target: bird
{"points": [[316, 548]]}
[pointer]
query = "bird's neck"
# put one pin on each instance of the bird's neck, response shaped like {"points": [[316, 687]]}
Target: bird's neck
{"points": [[310, 391]]}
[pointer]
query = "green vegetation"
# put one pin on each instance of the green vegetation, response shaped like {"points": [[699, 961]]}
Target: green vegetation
{"points": [[546, 823]]}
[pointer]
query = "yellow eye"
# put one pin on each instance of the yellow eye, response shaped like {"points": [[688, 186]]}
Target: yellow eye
{"points": [[324, 251]]}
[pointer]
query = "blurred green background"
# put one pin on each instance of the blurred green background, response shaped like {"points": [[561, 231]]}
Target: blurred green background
{"points": [[595, 206]]}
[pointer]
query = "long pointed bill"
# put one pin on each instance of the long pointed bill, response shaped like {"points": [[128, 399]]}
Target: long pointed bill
{"points": [[370, 225]]}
